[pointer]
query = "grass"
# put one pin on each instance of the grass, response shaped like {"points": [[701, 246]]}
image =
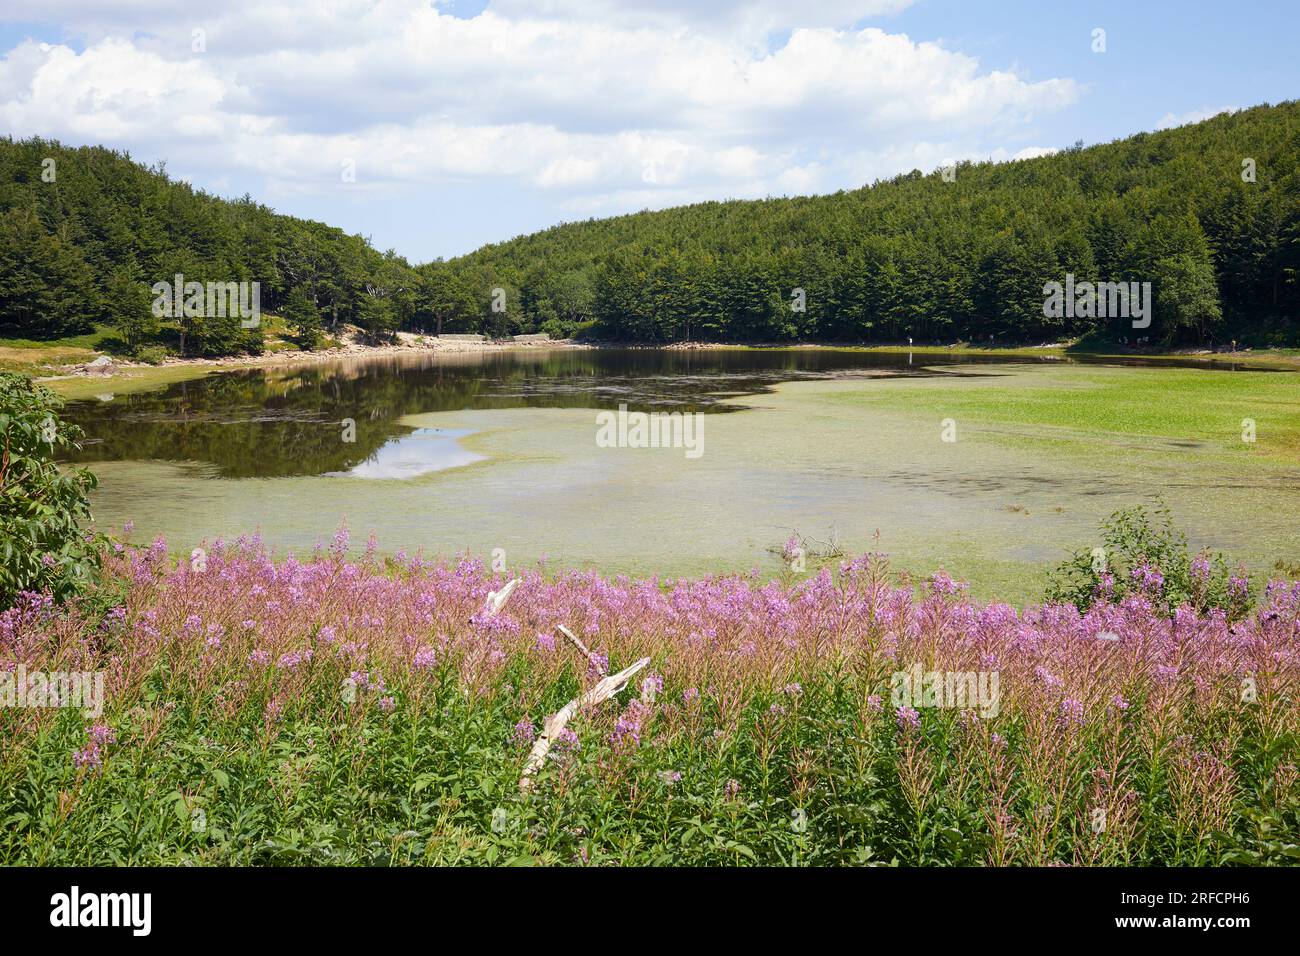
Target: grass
{"points": [[89, 341], [1110, 404], [136, 379]]}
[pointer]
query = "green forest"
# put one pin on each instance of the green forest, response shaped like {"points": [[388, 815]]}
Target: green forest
{"points": [[1209, 214]]}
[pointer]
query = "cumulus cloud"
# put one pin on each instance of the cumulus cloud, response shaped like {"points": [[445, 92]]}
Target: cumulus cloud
{"points": [[604, 106]]}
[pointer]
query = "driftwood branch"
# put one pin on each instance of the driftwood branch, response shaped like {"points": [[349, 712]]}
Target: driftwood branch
{"points": [[496, 600], [576, 642], [606, 688]]}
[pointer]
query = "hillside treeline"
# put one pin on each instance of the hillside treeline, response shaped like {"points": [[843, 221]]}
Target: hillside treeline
{"points": [[85, 232], [1208, 214]]}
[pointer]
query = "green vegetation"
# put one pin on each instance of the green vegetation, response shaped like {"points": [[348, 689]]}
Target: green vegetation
{"points": [[325, 712], [1098, 408], [42, 545], [83, 240], [1141, 549]]}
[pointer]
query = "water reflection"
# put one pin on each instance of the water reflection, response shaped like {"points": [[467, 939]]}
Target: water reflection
{"points": [[422, 451], [287, 421]]}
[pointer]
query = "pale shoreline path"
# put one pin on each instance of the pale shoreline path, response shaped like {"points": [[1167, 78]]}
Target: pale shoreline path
{"points": [[76, 381]]}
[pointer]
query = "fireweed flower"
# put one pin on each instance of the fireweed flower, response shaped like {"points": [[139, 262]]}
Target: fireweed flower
{"points": [[651, 687], [875, 704], [91, 756], [627, 731], [566, 739], [102, 734], [941, 584], [1049, 680], [424, 659], [1070, 713], [523, 734], [1148, 578], [88, 756], [387, 704], [114, 618], [907, 718], [259, 657]]}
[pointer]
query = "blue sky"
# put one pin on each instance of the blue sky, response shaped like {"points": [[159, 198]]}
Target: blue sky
{"points": [[474, 121]]}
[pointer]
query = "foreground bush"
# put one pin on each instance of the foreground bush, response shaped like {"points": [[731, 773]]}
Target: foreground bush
{"points": [[42, 546], [336, 711], [1144, 553]]}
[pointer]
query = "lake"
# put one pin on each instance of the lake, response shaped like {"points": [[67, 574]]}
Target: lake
{"points": [[991, 467]]}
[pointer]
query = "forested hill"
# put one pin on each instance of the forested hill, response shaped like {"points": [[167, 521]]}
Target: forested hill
{"points": [[85, 232], [1208, 214], [943, 260]]}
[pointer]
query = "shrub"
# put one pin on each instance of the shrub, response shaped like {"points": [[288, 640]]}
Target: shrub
{"points": [[42, 545], [1142, 552], [151, 354]]}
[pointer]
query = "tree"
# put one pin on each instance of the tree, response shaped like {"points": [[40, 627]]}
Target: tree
{"points": [[128, 304], [45, 288], [303, 318], [445, 298], [388, 299], [1187, 297]]}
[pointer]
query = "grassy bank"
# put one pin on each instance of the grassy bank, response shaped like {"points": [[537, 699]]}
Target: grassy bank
{"points": [[1107, 407]]}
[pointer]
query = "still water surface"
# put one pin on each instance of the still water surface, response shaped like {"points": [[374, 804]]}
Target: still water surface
{"points": [[448, 453]]}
